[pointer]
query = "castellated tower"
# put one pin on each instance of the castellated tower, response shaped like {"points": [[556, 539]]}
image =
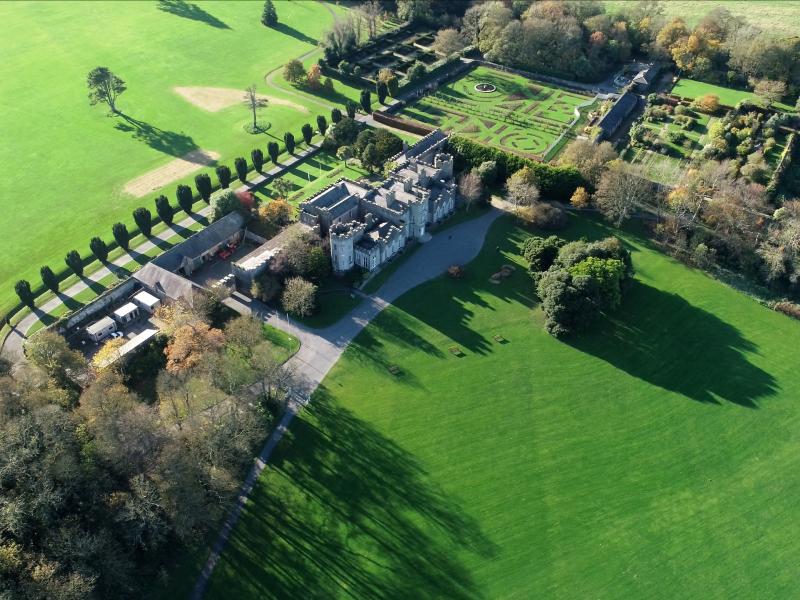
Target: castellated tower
{"points": [[444, 164], [419, 215], [343, 237]]}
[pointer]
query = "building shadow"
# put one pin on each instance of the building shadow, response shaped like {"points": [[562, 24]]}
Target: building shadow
{"points": [[166, 142], [188, 10], [660, 338], [291, 31], [345, 508]]}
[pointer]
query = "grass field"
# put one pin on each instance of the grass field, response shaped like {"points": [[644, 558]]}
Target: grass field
{"points": [[691, 89], [655, 458], [774, 17], [76, 159], [520, 115]]}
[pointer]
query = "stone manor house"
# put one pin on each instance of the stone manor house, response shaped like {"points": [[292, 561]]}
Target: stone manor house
{"points": [[367, 226]]}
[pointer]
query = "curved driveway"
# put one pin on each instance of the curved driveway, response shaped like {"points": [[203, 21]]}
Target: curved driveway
{"points": [[321, 348]]}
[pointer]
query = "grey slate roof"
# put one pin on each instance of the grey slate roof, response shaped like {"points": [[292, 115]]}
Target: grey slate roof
{"points": [[201, 242], [165, 283], [618, 113]]}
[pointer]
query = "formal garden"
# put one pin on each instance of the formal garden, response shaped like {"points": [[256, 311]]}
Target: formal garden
{"points": [[504, 110], [388, 487]]}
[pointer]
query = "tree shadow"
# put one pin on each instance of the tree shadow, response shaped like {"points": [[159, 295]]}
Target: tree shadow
{"points": [[347, 511], [291, 31], [662, 339], [96, 287], [138, 256], [166, 142], [69, 302], [188, 10]]}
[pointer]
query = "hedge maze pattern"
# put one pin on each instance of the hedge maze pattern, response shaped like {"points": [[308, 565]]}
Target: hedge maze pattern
{"points": [[519, 116]]}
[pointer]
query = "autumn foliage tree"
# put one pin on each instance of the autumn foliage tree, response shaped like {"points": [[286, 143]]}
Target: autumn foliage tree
{"points": [[189, 344]]}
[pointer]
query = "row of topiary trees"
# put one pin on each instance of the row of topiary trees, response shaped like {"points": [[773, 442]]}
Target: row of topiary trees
{"points": [[143, 217]]}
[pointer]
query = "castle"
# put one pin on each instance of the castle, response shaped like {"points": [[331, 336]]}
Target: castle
{"points": [[367, 226]]}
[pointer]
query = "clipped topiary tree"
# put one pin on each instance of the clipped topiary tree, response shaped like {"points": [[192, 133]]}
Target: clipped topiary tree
{"points": [[99, 248], [322, 124], [223, 176], [23, 289], [144, 220], [269, 17], [351, 108], [164, 209], [121, 235], [366, 101], [49, 278], [240, 164], [393, 86], [308, 132], [336, 115], [274, 151], [74, 261], [381, 90], [288, 139], [184, 193], [257, 156], [202, 183]]}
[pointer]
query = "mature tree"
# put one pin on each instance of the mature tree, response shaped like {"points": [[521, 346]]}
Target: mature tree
{"points": [[23, 290], [314, 77], [620, 192], [288, 141], [294, 72], [104, 87], [370, 158], [202, 183], [570, 303], [74, 262], [470, 187], [99, 248], [581, 198], [708, 104], [189, 344], [336, 115], [366, 101], [589, 158], [223, 202], [108, 353], [282, 187], [50, 352], [164, 209], [387, 143], [370, 13], [299, 297], [769, 89], [144, 220], [308, 132], [253, 101], [487, 171], [277, 213], [351, 108], [521, 189], [414, 10], [121, 234], [240, 164], [223, 175], [343, 37], [257, 156], [608, 273], [49, 278], [541, 252], [345, 153], [449, 41], [269, 16], [343, 133], [322, 124]]}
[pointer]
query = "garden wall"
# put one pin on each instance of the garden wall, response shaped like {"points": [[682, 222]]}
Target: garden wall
{"points": [[402, 124]]}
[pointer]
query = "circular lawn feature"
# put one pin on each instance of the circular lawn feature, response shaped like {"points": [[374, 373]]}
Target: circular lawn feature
{"points": [[485, 88]]}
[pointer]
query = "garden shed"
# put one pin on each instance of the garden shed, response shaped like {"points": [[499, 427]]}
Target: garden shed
{"points": [[99, 330]]}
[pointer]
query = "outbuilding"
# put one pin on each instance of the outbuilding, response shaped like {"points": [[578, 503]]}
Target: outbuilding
{"points": [[101, 329], [126, 313], [147, 301]]}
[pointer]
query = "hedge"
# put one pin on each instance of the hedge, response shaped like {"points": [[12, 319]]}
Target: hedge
{"points": [[556, 183], [783, 165], [402, 124]]}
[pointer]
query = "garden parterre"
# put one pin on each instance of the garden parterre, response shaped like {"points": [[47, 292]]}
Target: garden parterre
{"points": [[520, 115]]}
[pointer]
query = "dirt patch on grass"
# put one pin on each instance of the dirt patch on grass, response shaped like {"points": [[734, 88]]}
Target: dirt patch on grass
{"points": [[214, 99], [172, 171]]}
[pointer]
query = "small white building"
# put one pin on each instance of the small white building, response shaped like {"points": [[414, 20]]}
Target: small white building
{"points": [[126, 313], [147, 301], [101, 329]]}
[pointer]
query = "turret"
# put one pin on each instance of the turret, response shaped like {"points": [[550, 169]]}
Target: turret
{"points": [[444, 164]]}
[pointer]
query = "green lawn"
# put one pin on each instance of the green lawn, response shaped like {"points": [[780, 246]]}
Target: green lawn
{"points": [[691, 89], [76, 158], [655, 458], [774, 17], [520, 115]]}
